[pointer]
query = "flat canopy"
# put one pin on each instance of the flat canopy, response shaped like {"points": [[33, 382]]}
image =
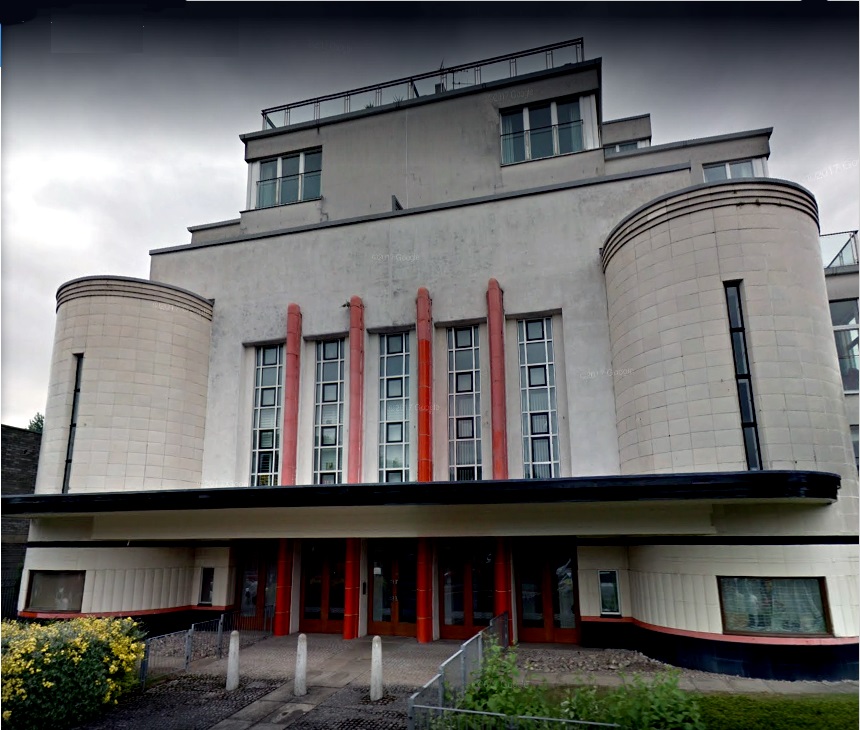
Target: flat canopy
{"points": [[754, 486]]}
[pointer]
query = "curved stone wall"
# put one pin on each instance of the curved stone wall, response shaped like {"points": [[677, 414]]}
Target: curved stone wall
{"points": [[675, 390], [144, 377]]}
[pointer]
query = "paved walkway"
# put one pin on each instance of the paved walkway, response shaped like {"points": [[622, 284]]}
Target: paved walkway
{"points": [[339, 681]]}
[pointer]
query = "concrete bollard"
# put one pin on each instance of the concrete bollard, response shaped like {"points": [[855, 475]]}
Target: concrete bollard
{"points": [[376, 690], [233, 662], [300, 684]]}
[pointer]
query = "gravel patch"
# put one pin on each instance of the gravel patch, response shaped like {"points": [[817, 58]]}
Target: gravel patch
{"points": [[187, 703], [587, 660], [351, 708]]}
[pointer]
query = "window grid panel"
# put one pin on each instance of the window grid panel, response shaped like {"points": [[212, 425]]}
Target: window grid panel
{"points": [[743, 376], [394, 408], [268, 415], [774, 606], [546, 129], [843, 314], [538, 398], [464, 405], [328, 412], [293, 178]]}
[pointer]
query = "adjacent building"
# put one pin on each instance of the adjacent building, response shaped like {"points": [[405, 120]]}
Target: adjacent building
{"points": [[470, 348]]}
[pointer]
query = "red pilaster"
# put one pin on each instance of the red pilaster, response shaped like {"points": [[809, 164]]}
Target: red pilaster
{"points": [[424, 597], [292, 351], [502, 576], [352, 568], [351, 593], [499, 418], [283, 594], [356, 388], [425, 386], [424, 577], [291, 395]]}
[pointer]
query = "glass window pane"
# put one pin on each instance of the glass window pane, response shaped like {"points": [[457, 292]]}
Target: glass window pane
{"points": [[714, 173], [394, 365], [464, 337], [267, 396], [540, 449], [464, 382], [741, 169], [313, 161], [310, 186], [745, 400], [54, 590], [394, 457], [739, 350], [394, 432], [328, 436], [394, 387], [609, 603], [540, 132], [734, 303], [331, 371], [328, 459], [536, 352], [329, 415], [513, 138], [267, 418], [268, 170], [773, 606], [534, 329], [270, 356], [394, 411], [289, 190], [537, 375], [539, 423], [465, 428], [266, 439], [463, 360], [329, 392], [290, 165], [266, 194], [844, 313], [751, 448], [394, 344], [568, 111], [331, 350]]}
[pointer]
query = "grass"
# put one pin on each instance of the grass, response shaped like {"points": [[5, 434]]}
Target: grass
{"points": [[779, 712]]}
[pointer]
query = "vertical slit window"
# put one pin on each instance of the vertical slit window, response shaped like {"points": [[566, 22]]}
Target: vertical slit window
{"points": [[328, 413], [743, 377], [394, 446], [843, 313], [464, 404], [268, 404], [73, 424], [538, 398]]}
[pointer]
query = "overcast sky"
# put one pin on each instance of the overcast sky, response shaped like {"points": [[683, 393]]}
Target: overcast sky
{"points": [[121, 130]]}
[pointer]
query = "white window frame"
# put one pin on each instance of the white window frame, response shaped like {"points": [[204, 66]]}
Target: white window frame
{"points": [[612, 614], [319, 403], [550, 386], [405, 398], [254, 183], [759, 165], [271, 476], [844, 328], [588, 126], [477, 415]]}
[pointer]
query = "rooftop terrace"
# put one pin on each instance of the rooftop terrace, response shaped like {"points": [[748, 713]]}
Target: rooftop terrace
{"points": [[439, 81]]}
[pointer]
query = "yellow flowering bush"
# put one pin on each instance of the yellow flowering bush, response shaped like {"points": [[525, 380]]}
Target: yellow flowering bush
{"points": [[60, 674]]}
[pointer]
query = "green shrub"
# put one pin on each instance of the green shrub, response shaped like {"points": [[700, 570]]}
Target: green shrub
{"points": [[60, 674], [656, 704], [765, 712]]}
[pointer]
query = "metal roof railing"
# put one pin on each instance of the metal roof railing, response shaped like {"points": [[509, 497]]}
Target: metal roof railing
{"points": [[441, 80]]}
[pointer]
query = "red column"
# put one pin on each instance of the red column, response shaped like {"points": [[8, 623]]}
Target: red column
{"points": [[351, 592], [352, 568], [283, 594], [499, 419], [291, 395], [424, 627], [499, 425], [425, 387], [356, 388]]}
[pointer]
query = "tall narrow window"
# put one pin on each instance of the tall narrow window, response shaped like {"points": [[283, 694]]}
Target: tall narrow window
{"points": [[394, 408], [743, 376], [843, 313], [73, 426], [464, 404], [610, 604], [328, 414], [537, 398], [268, 399]]}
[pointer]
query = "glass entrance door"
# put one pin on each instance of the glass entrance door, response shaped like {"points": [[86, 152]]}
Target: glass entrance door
{"points": [[323, 581], [546, 580], [392, 587], [466, 587], [257, 585]]}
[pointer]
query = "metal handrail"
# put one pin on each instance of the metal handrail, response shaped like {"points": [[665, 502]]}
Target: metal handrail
{"points": [[277, 182], [526, 136], [448, 79]]}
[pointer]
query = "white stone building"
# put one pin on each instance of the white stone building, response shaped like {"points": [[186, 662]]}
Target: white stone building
{"points": [[470, 348]]}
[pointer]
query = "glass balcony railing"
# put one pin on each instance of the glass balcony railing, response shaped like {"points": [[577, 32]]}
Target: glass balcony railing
{"points": [[847, 243], [426, 84], [288, 189], [535, 144]]}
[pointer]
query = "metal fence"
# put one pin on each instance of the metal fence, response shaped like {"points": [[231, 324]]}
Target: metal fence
{"points": [[433, 707], [170, 654]]}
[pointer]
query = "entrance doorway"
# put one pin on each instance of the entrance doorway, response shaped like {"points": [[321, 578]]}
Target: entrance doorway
{"points": [[466, 587], [257, 584], [546, 583], [323, 581], [392, 587]]}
